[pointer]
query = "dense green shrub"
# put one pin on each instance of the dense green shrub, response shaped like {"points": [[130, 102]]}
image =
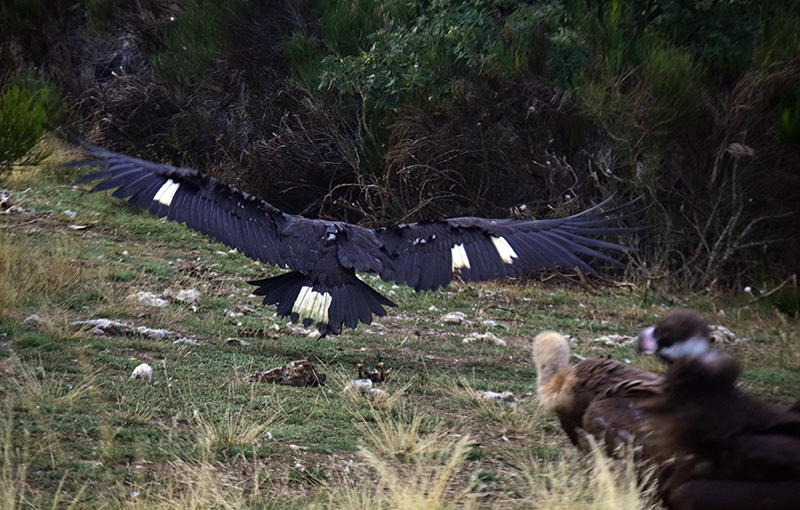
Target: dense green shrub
{"points": [[25, 108], [306, 57], [395, 55], [197, 37]]}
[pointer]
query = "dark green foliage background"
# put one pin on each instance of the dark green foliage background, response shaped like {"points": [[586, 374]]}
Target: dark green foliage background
{"points": [[378, 112]]}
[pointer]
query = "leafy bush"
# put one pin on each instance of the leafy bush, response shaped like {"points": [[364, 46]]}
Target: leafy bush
{"points": [[305, 56], [24, 111], [674, 80], [432, 58], [196, 38]]}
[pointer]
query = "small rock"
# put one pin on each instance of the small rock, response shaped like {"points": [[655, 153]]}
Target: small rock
{"points": [[108, 327], [615, 340], [453, 318], [362, 386], [34, 321], [191, 296], [155, 334], [486, 337], [187, 341], [105, 327], [236, 341], [238, 311], [14, 209], [143, 371], [148, 298], [724, 335], [505, 397]]}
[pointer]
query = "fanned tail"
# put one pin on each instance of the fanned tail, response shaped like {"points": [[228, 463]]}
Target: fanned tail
{"points": [[298, 297]]}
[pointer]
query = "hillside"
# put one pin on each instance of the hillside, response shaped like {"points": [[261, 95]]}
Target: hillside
{"points": [[81, 433]]}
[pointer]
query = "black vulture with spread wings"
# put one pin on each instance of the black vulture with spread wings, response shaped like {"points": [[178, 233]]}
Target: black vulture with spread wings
{"points": [[322, 287]]}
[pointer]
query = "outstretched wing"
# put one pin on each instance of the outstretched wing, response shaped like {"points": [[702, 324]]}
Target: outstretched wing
{"points": [[323, 288], [326, 255], [426, 255], [204, 204]]}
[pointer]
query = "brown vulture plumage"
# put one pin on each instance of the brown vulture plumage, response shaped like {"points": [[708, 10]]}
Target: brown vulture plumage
{"points": [[723, 448], [598, 395]]}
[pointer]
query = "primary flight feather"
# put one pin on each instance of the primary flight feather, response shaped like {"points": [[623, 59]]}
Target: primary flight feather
{"points": [[322, 287]]}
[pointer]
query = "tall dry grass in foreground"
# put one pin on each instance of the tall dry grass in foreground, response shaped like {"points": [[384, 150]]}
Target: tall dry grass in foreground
{"points": [[232, 429], [596, 482], [15, 493], [430, 476]]}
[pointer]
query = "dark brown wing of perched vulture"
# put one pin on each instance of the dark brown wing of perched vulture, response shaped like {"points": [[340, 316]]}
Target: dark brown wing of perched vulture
{"points": [[324, 256], [611, 391], [597, 394], [616, 418], [726, 449]]}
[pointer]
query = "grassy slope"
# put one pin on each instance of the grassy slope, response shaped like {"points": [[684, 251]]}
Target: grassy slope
{"points": [[79, 430]]}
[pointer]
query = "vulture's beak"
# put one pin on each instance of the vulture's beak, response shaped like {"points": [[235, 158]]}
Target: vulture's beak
{"points": [[647, 343]]}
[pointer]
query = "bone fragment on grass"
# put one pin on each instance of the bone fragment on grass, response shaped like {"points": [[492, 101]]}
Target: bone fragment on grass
{"points": [[143, 371]]}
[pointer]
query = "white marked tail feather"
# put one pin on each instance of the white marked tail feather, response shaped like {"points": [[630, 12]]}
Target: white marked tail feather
{"points": [[506, 252], [459, 255], [166, 193], [312, 304]]}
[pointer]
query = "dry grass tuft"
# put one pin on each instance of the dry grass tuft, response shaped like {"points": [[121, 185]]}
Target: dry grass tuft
{"points": [[31, 270], [605, 484], [350, 498], [187, 486], [234, 429], [427, 486], [15, 492], [522, 417], [400, 439], [35, 387]]}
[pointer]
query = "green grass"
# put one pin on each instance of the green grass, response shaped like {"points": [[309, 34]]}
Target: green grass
{"points": [[77, 430]]}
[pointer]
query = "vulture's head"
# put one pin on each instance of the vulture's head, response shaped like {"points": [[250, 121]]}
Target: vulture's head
{"points": [[331, 232], [680, 334]]}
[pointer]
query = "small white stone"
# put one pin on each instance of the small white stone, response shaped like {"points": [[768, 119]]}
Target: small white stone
{"points": [[485, 337], [148, 298], [453, 318], [362, 386], [143, 371]]}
